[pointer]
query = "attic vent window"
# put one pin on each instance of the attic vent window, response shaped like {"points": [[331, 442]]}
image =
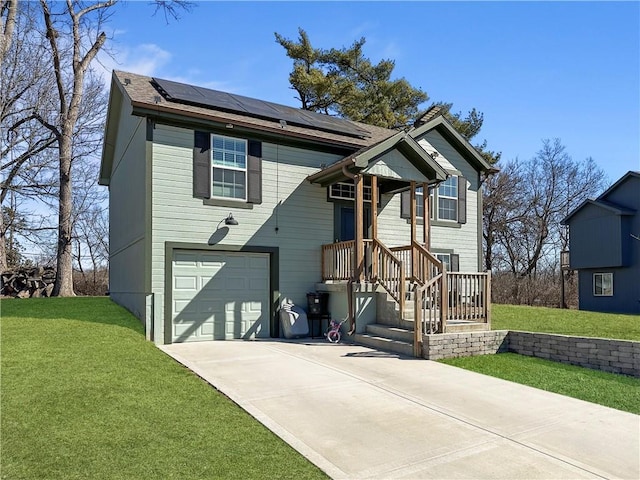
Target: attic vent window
{"points": [[347, 191]]}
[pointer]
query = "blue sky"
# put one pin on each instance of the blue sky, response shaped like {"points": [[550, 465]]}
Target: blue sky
{"points": [[537, 70]]}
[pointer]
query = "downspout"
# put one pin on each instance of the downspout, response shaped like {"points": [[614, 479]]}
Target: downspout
{"points": [[350, 302]]}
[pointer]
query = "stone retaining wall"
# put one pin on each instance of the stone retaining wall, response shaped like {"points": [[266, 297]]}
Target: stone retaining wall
{"points": [[616, 356], [449, 345]]}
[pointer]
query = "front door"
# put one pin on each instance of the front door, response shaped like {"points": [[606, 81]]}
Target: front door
{"points": [[345, 225]]}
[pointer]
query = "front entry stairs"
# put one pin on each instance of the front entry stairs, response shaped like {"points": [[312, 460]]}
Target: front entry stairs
{"points": [[394, 334]]}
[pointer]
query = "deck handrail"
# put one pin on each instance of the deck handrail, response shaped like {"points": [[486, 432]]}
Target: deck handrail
{"points": [[389, 271], [469, 296], [440, 295], [338, 261], [424, 265], [420, 264], [429, 314]]}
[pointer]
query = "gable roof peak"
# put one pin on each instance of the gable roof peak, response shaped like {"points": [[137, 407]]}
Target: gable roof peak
{"points": [[429, 115]]}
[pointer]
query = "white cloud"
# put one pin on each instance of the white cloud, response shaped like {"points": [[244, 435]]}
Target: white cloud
{"points": [[145, 59]]}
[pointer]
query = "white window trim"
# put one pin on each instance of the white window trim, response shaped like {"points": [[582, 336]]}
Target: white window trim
{"points": [[448, 255], [226, 167], [594, 284], [366, 192], [433, 204], [437, 197]]}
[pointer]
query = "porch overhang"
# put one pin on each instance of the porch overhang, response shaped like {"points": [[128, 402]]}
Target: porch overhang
{"points": [[422, 166]]}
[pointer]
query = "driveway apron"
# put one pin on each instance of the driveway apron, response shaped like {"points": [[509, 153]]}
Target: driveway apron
{"points": [[359, 413]]}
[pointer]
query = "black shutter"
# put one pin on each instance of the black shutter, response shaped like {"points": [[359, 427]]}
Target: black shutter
{"points": [[202, 165], [462, 200], [405, 204], [455, 262], [254, 172]]}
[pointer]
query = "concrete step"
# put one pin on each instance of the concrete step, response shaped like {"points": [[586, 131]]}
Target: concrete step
{"points": [[405, 323], [386, 344], [454, 326], [393, 333]]}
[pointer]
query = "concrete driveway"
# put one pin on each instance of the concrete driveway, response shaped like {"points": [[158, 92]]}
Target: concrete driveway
{"points": [[360, 413]]}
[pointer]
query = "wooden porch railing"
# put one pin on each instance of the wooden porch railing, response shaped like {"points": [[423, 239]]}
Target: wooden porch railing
{"points": [[389, 272], [338, 261], [428, 307], [440, 296], [420, 264], [469, 296]]}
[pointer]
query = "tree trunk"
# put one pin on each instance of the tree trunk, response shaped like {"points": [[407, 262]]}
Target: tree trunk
{"points": [[3, 247], [64, 264]]}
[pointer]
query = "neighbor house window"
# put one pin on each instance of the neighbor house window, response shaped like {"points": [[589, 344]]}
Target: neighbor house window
{"points": [[229, 164], [603, 284]]}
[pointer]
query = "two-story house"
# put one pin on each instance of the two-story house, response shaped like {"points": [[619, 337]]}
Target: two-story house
{"points": [[221, 206], [604, 246]]}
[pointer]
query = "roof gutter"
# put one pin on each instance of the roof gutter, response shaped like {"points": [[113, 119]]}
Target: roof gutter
{"points": [[145, 109], [341, 165]]}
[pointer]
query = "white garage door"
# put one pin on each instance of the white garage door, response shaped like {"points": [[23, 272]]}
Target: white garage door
{"points": [[219, 295]]}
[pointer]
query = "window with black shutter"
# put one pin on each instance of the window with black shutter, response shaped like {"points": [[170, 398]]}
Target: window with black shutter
{"points": [[448, 202], [227, 168]]}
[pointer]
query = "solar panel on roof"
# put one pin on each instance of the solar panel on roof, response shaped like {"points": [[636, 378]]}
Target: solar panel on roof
{"points": [[180, 92], [292, 115], [219, 99], [258, 107]]}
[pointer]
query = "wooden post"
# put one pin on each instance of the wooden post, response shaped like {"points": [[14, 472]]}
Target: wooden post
{"points": [[487, 303], [412, 211], [417, 324], [322, 267], [359, 219], [401, 291], [426, 216], [444, 301], [374, 227]]}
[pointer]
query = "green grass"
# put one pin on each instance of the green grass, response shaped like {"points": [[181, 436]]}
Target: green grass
{"points": [[615, 391], [85, 396], [565, 322]]}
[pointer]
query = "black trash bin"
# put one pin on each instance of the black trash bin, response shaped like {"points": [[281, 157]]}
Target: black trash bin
{"points": [[318, 303]]}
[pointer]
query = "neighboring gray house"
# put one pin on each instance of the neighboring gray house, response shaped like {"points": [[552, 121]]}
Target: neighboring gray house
{"points": [[604, 246], [180, 161]]}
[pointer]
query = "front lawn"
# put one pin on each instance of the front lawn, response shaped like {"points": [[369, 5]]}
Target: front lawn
{"points": [[565, 322], [615, 391], [84, 396]]}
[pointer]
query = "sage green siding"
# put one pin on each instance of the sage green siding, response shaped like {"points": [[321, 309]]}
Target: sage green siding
{"points": [[394, 165], [127, 203], [294, 215], [152, 205], [462, 239]]}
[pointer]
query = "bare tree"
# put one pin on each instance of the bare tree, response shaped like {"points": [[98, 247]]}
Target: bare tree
{"points": [[26, 83], [8, 14], [524, 205], [76, 30], [85, 44]]}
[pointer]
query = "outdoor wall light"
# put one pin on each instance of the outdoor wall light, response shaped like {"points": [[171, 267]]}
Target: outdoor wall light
{"points": [[229, 220]]}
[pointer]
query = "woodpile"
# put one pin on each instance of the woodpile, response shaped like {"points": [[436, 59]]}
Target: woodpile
{"points": [[28, 282]]}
